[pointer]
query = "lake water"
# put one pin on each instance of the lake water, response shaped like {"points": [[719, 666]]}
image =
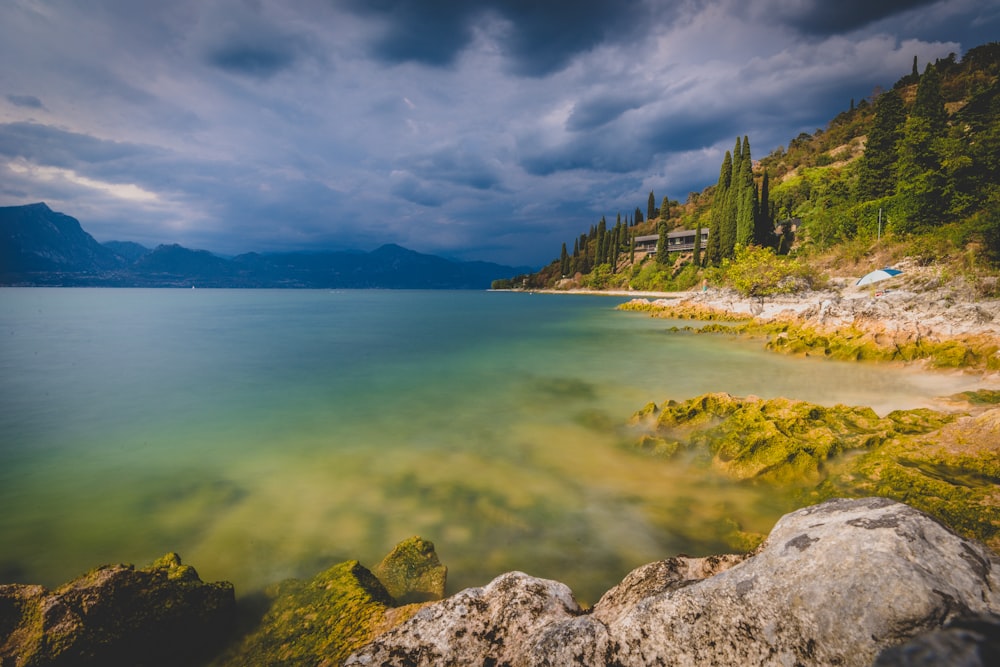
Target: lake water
{"points": [[268, 434]]}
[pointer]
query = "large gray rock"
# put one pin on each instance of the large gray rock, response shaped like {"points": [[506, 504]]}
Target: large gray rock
{"points": [[833, 584]]}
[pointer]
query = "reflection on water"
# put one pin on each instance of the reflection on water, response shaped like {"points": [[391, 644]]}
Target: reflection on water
{"points": [[268, 434]]}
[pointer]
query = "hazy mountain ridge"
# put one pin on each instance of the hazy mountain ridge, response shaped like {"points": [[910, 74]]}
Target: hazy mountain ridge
{"points": [[39, 246]]}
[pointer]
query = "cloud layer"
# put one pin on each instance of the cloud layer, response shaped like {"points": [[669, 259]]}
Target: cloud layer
{"points": [[489, 129]]}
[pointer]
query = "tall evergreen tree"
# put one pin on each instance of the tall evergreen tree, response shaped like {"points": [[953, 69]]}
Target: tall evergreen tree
{"points": [[696, 253], [602, 242], [638, 215], [876, 171], [651, 206], [665, 208], [746, 201], [713, 249], [662, 249], [563, 261], [731, 207], [764, 220]]}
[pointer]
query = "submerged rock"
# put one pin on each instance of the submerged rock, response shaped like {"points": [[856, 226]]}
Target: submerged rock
{"points": [[321, 621], [116, 615], [944, 463], [835, 583]]}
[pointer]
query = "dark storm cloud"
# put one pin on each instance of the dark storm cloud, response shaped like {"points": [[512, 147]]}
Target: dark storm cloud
{"points": [[460, 166], [59, 148], [239, 125], [823, 17], [537, 37], [251, 59], [598, 111], [26, 101]]}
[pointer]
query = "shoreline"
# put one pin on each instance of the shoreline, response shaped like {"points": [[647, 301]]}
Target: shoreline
{"points": [[887, 317]]}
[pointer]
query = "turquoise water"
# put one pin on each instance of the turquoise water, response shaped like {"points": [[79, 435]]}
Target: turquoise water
{"points": [[267, 434]]}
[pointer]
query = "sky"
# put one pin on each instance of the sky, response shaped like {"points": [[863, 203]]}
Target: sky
{"points": [[473, 129]]}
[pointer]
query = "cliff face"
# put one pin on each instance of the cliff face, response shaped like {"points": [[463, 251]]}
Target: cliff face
{"points": [[835, 583]]}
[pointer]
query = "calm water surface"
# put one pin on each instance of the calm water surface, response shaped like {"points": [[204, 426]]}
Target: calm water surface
{"points": [[267, 434]]}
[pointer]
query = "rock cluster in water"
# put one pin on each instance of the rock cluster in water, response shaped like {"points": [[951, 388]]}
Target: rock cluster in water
{"points": [[835, 583], [945, 463]]}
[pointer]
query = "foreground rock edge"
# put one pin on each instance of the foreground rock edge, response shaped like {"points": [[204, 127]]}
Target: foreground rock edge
{"points": [[116, 615], [835, 583]]}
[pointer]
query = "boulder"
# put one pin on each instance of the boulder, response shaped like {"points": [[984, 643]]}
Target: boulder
{"points": [[315, 622], [412, 572], [322, 620], [836, 583], [116, 615]]}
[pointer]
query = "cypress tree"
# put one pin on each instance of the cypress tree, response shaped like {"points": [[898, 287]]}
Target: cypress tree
{"points": [[602, 242], [651, 206], [662, 249], [696, 253], [665, 208], [638, 215], [764, 221], [731, 207], [713, 249], [563, 261], [747, 199]]}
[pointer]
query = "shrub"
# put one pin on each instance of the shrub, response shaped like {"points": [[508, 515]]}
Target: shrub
{"points": [[758, 272]]}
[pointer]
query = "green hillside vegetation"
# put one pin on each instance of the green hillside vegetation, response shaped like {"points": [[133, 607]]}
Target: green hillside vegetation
{"points": [[913, 171]]}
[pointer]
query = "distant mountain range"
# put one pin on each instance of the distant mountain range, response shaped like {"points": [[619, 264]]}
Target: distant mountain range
{"points": [[40, 247]]}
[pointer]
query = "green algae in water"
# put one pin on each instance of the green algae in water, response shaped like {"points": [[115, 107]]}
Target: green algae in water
{"points": [[271, 434]]}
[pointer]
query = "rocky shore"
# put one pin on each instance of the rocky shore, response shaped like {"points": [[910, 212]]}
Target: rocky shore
{"points": [[905, 319], [846, 582]]}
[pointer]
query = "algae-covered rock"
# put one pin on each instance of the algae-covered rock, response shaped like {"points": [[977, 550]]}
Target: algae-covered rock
{"points": [[776, 439], [116, 615], [321, 621], [943, 463], [412, 572], [952, 472], [316, 622]]}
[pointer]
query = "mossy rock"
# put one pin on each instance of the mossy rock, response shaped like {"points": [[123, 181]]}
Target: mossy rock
{"points": [[412, 572], [946, 464], [321, 621], [979, 397], [777, 439]]}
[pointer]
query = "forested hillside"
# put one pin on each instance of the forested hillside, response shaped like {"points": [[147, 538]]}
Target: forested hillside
{"points": [[915, 168]]}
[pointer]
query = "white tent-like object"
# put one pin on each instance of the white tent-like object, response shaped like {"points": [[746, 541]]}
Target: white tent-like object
{"points": [[875, 276]]}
